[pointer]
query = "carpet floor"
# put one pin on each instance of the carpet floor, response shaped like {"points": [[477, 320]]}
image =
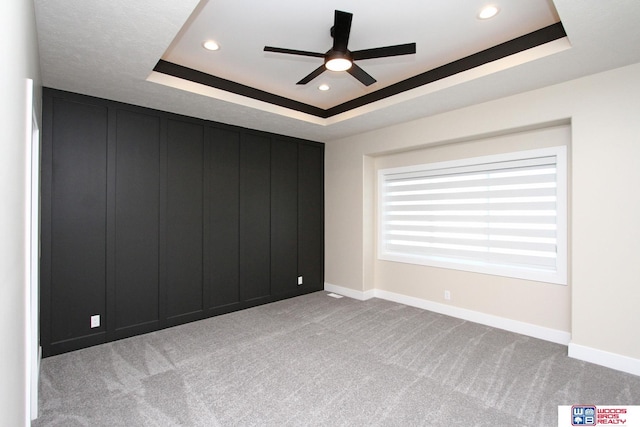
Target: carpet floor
{"points": [[319, 361]]}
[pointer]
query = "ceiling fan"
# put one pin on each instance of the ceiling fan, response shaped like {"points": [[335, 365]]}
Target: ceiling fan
{"points": [[339, 58]]}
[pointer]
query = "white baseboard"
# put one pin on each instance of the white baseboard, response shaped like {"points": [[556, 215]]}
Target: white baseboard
{"points": [[540, 332], [605, 358], [576, 351], [347, 292]]}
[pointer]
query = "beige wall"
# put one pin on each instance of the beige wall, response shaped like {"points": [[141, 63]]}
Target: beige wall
{"points": [[600, 307], [19, 49]]}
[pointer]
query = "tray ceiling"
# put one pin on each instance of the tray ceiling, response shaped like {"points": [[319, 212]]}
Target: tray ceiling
{"points": [[110, 50]]}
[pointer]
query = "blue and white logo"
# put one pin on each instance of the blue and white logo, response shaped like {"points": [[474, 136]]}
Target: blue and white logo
{"points": [[583, 415]]}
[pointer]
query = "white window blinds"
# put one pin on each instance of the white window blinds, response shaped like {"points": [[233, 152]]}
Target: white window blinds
{"points": [[501, 214]]}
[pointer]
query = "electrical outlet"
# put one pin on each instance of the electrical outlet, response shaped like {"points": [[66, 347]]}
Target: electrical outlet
{"points": [[95, 321], [447, 295], [299, 280]]}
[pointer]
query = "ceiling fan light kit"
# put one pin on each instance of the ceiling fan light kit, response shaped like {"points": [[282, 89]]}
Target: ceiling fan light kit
{"points": [[339, 58], [338, 61]]}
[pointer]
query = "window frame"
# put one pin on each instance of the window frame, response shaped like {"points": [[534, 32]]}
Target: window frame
{"points": [[559, 276]]}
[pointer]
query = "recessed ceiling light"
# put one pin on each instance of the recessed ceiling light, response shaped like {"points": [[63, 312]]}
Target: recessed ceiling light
{"points": [[210, 45], [324, 87], [488, 12]]}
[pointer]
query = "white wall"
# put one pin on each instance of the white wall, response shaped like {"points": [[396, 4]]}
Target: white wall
{"points": [[600, 310], [18, 44]]}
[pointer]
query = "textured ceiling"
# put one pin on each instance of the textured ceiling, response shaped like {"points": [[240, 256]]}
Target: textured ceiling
{"points": [[109, 49]]}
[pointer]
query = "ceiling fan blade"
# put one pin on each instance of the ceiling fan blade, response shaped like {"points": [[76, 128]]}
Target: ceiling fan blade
{"points": [[341, 30], [293, 51], [381, 52], [361, 75], [315, 73]]}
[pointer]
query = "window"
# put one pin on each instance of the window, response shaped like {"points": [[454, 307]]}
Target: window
{"points": [[503, 214]]}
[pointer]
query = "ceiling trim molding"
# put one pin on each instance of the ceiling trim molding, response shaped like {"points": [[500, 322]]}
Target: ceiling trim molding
{"points": [[528, 41], [503, 50], [186, 73]]}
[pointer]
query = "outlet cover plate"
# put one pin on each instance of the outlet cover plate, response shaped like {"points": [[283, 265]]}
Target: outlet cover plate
{"points": [[95, 321]]}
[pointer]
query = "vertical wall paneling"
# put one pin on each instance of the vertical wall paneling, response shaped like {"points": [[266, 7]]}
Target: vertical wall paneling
{"points": [[185, 142], [150, 219], [224, 214], [311, 215], [78, 209], [163, 227], [137, 221], [255, 219], [284, 216], [109, 319]]}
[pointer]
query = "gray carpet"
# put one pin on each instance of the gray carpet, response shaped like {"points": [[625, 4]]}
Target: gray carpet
{"points": [[319, 361]]}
